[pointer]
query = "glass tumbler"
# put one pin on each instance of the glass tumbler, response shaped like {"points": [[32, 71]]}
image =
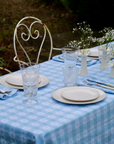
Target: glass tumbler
{"points": [[70, 55], [70, 76], [30, 77]]}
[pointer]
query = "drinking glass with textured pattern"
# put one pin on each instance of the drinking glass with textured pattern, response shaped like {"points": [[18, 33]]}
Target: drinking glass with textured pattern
{"points": [[70, 55], [70, 76], [30, 76]]}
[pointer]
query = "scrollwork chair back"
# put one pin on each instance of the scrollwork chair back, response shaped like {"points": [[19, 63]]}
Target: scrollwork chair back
{"points": [[25, 37]]}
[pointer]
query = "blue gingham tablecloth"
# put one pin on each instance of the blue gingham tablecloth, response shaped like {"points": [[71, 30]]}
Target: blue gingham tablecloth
{"points": [[98, 75], [89, 61], [52, 122]]}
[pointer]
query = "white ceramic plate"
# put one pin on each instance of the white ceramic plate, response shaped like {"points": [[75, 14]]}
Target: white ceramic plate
{"points": [[16, 79], [57, 96], [44, 82], [80, 94], [94, 53]]}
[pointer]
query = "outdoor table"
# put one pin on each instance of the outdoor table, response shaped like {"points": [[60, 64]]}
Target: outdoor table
{"points": [[53, 122]]}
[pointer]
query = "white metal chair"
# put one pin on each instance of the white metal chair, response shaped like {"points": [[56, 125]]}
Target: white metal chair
{"points": [[5, 69], [27, 36]]}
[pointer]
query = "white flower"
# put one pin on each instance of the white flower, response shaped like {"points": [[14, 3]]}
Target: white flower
{"points": [[86, 36]]}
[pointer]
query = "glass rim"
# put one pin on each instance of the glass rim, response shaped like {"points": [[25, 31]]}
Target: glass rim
{"points": [[28, 64]]}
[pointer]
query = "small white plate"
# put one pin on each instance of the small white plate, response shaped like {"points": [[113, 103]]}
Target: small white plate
{"points": [[80, 94], [16, 79], [57, 95], [94, 53], [44, 82]]}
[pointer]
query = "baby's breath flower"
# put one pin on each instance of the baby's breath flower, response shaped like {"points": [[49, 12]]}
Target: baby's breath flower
{"points": [[108, 35], [86, 38]]}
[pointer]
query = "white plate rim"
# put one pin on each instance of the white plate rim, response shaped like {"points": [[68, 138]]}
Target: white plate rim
{"points": [[3, 82], [14, 84], [100, 98], [92, 56], [94, 91]]}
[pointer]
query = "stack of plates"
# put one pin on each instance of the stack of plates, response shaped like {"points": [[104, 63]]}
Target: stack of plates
{"points": [[15, 81], [78, 95]]}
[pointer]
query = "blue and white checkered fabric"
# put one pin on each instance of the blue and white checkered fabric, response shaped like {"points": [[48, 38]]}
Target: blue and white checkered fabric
{"points": [[52, 122], [99, 75]]}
